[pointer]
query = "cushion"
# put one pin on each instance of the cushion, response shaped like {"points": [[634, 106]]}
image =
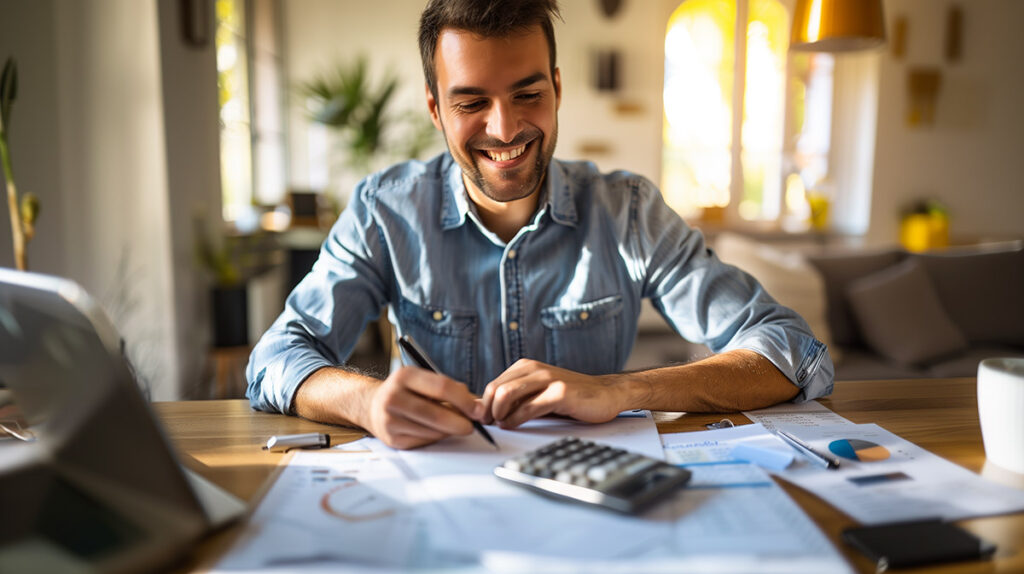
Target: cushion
{"points": [[786, 276], [982, 290], [901, 317], [839, 271]]}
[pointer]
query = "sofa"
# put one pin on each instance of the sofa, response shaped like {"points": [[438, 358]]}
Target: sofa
{"points": [[884, 313]]}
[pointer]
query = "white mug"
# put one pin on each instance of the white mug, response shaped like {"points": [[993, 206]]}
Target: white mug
{"points": [[1001, 410]]}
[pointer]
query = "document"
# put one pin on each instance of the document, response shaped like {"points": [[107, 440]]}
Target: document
{"points": [[884, 478], [809, 414]]}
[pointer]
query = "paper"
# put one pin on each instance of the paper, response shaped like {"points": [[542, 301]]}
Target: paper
{"points": [[330, 507], [884, 478], [809, 414]]}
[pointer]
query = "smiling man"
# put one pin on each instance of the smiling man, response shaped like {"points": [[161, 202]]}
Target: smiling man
{"points": [[519, 274]]}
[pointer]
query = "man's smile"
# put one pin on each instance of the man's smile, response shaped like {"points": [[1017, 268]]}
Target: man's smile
{"points": [[506, 157]]}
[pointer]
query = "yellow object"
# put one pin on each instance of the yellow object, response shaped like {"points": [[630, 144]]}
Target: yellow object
{"points": [[924, 231], [820, 207], [837, 25]]}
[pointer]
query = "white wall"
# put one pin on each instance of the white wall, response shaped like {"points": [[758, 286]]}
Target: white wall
{"points": [[970, 159]]}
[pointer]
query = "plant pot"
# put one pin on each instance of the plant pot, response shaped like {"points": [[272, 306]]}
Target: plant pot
{"points": [[230, 316]]}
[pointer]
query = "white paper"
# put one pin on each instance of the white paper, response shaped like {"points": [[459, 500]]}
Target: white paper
{"points": [[809, 414], [906, 483]]}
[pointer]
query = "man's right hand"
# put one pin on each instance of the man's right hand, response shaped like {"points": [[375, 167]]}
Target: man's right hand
{"points": [[411, 408], [414, 407]]}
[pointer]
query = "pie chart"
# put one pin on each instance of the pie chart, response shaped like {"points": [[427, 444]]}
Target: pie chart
{"points": [[860, 450]]}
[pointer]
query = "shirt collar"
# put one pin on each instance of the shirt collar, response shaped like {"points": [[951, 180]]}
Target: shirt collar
{"points": [[558, 197]]}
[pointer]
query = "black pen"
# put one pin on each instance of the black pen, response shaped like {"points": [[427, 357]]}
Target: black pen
{"points": [[828, 461], [421, 358]]}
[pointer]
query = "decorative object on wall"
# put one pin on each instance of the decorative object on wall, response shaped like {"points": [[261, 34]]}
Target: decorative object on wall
{"points": [[606, 65], [195, 22], [954, 36], [610, 8], [923, 86], [898, 41], [837, 25]]}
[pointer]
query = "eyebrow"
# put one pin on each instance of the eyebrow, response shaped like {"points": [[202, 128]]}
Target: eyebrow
{"points": [[472, 91]]}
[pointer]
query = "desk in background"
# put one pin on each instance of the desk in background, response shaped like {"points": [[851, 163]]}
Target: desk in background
{"points": [[222, 439]]}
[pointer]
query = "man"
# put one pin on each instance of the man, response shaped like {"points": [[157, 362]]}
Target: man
{"points": [[520, 275]]}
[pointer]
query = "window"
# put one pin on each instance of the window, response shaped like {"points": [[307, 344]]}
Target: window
{"points": [[252, 152], [747, 126]]}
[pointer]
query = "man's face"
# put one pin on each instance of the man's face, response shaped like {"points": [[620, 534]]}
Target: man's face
{"points": [[497, 105]]}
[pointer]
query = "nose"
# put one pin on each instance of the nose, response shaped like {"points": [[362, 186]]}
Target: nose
{"points": [[502, 122]]}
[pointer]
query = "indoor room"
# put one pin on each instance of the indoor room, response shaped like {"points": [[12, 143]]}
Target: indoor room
{"points": [[186, 162]]}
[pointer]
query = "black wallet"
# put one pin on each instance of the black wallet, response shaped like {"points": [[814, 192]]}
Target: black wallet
{"points": [[916, 543]]}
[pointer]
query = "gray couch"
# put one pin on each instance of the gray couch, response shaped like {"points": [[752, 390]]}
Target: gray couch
{"points": [[894, 314], [885, 314]]}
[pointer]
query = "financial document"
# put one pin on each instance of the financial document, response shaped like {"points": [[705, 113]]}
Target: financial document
{"points": [[809, 414], [884, 478], [374, 509]]}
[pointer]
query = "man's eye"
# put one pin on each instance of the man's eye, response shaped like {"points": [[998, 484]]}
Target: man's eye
{"points": [[470, 106], [528, 97]]}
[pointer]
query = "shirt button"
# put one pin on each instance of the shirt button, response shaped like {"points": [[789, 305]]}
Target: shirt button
{"points": [[513, 326], [512, 254], [584, 316], [438, 315]]}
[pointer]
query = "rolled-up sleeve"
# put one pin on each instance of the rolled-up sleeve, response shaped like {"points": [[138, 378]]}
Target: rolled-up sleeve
{"points": [[716, 304], [325, 313]]}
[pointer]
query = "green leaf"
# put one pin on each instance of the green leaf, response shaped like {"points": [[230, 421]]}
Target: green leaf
{"points": [[8, 91]]}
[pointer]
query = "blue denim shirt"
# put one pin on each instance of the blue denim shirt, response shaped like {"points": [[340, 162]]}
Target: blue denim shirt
{"points": [[566, 290]]}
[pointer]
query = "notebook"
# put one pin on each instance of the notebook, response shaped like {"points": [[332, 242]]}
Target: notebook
{"points": [[100, 487]]}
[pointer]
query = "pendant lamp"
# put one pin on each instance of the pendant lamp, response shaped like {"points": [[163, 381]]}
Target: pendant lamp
{"points": [[837, 25]]}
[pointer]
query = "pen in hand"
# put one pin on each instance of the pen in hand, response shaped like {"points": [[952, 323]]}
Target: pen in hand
{"points": [[828, 461], [420, 357]]}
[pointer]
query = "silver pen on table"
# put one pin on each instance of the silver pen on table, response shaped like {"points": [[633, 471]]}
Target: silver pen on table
{"points": [[420, 357], [828, 461]]}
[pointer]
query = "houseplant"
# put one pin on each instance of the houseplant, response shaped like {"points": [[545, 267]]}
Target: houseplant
{"points": [[363, 115], [229, 299], [24, 213]]}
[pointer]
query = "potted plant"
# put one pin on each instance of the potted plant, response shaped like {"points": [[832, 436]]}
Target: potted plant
{"points": [[23, 213], [229, 299]]}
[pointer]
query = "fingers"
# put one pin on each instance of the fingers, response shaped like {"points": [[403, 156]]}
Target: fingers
{"points": [[516, 393], [414, 407], [535, 406]]}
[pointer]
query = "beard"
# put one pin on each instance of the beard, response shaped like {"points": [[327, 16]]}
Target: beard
{"points": [[508, 184]]}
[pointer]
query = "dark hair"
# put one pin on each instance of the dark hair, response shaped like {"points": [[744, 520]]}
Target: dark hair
{"points": [[487, 18]]}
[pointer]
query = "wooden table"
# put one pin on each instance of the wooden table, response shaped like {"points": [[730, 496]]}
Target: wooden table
{"points": [[222, 440]]}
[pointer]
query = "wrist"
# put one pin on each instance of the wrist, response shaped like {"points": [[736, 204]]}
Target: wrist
{"points": [[636, 390]]}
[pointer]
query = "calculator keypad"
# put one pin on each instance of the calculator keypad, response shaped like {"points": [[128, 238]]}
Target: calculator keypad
{"points": [[594, 473]]}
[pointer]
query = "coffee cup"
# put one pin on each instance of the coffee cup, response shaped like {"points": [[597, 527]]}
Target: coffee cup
{"points": [[1001, 411]]}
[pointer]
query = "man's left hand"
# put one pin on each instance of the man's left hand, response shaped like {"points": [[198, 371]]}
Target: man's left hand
{"points": [[530, 389]]}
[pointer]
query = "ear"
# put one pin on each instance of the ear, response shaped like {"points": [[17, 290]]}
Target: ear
{"points": [[558, 88], [432, 106]]}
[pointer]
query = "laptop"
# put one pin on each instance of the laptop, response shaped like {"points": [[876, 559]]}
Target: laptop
{"points": [[93, 484]]}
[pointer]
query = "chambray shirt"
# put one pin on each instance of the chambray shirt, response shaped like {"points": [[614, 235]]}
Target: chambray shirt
{"points": [[566, 290]]}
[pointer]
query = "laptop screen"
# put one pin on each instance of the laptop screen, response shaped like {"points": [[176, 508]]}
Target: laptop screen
{"points": [[100, 484]]}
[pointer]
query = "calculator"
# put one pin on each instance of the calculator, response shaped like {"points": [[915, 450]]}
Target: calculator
{"points": [[594, 473]]}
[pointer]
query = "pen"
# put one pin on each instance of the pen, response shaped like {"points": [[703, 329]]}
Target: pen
{"points": [[420, 357], [286, 442], [828, 461]]}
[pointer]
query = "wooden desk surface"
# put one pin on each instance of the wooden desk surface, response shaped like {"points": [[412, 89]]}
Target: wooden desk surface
{"points": [[222, 439]]}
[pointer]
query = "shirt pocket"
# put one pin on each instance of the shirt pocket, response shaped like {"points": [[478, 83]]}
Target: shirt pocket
{"points": [[446, 335], [584, 337]]}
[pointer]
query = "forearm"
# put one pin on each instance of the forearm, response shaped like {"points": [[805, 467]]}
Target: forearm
{"points": [[337, 396], [728, 382]]}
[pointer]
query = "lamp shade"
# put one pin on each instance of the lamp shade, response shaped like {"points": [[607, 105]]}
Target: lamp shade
{"points": [[837, 25]]}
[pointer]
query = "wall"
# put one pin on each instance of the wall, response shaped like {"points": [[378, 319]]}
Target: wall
{"points": [[970, 158]]}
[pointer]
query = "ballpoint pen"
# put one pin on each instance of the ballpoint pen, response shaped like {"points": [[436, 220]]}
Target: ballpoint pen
{"points": [[423, 360], [828, 461]]}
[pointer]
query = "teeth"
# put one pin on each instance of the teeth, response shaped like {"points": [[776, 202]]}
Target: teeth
{"points": [[505, 155]]}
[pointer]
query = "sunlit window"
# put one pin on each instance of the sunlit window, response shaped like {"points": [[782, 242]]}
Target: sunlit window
{"points": [[235, 127], [731, 135]]}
